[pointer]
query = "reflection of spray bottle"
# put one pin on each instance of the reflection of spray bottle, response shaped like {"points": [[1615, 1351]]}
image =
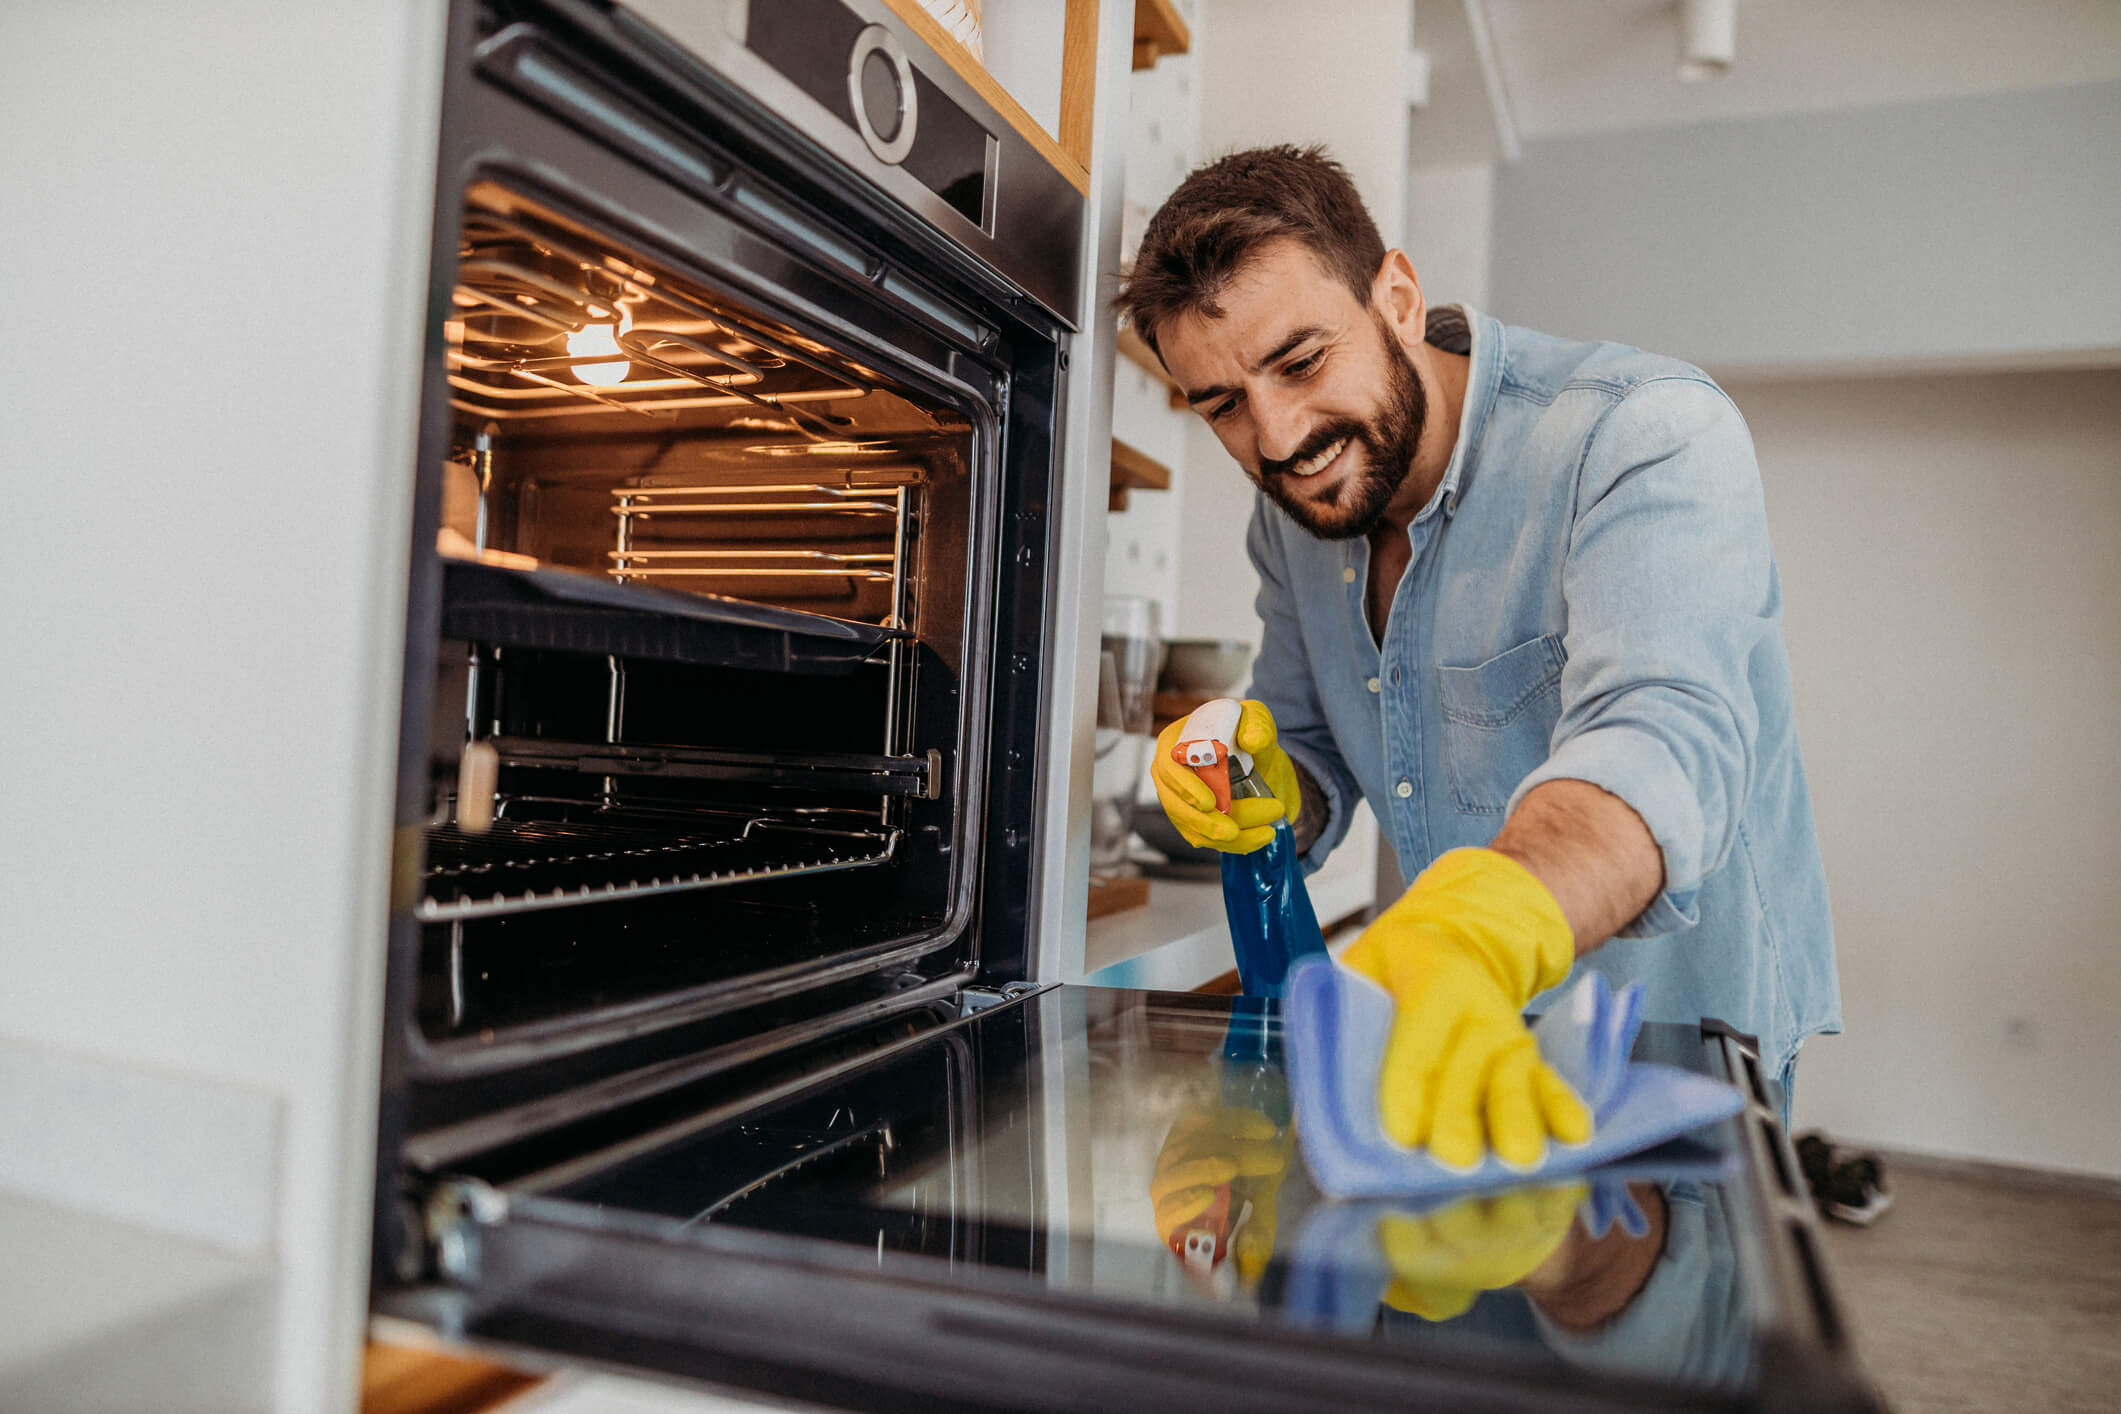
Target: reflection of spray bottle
{"points": [[1227, 1244], [1271, 921]]}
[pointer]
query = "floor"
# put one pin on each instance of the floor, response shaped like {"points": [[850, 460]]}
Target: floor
{"points": [[1978, 1292]]}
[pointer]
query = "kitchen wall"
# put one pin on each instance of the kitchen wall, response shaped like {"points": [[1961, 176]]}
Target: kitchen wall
{"points": [[1947, 549], [1266, 78], [1911, 233], [1953, 614]]}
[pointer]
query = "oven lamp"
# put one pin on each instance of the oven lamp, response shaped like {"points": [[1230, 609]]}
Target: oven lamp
{"points": [[591, 340]]}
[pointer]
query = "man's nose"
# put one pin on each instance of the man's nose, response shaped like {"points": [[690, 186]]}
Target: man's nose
{"points": [[1283, 425]]}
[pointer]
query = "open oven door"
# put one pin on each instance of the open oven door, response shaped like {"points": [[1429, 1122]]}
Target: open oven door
{"points": [[968, 1218]]}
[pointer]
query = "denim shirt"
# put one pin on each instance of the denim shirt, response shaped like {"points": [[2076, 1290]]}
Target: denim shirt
{"points": [[1591, 596]]}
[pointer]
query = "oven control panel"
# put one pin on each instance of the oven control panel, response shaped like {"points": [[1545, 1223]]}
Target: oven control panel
{"points": [[854, 80], [862, 73]]}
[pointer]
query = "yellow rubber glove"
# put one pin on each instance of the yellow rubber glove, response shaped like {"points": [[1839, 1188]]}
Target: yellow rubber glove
{"points": [[1250, 823], [1461, 953], [1442, 1260], [1215, 1163]]}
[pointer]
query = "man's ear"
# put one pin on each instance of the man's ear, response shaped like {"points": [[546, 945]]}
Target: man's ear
{"points": [[1396, 296]]}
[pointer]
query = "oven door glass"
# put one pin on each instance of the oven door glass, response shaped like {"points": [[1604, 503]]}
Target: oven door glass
{"points": [[1093, 1198]]}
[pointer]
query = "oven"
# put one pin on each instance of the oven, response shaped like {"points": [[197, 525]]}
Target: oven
{"points": [[730, 567], [721, 1036]]}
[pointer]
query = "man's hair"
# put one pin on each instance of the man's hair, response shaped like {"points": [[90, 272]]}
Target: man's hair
{"points": [[1224, 212]]}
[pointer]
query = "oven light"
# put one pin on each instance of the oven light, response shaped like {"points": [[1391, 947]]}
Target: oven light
{"points": [[593, 340]]}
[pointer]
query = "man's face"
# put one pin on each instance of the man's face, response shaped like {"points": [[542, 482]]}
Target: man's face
{"points": [[1306, 387]]}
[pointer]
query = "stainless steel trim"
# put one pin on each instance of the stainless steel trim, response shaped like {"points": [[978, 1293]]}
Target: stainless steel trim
{"points": [[878, 40]]}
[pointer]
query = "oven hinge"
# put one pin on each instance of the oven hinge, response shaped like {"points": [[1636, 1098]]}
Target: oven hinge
{"points": [[973, 1000], [456, 1209]]}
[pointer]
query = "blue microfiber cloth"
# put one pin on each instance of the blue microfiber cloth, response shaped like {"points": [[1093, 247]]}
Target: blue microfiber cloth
{"points": [[1335, 1025]]}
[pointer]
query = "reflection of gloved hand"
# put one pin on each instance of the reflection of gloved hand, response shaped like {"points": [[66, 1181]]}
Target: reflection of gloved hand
{"points": [[1215, 1184], [1461, 953], [1250, 823], [1442, 1259]]}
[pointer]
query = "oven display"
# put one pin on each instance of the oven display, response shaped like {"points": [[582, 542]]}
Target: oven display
{"points": [[859, 72]]}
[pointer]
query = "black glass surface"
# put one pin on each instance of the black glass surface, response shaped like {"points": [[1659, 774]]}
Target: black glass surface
{"points": [[949, 155], [1137, 1148]]}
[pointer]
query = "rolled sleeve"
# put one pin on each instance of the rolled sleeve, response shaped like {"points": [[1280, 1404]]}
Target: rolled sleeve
{"points": [[1638, 768], [1671, 589], [1283, 679]]}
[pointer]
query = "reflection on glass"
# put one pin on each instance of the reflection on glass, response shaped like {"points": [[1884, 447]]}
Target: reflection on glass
{"points": [[1138, 1148]]}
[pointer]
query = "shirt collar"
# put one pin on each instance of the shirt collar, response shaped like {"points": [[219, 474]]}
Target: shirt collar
{"points": [[1461, 329]]}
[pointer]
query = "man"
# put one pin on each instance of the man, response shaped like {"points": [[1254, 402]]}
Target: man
{"points": [[1517, 593]]}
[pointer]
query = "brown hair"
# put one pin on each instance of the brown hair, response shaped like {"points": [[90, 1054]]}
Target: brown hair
{"points": [[1224, 212]]}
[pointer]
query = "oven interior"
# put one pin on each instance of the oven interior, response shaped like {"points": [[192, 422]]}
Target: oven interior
{"points": [[709, 649]]}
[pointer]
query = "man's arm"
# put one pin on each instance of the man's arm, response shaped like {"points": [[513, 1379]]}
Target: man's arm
{"points": [[1590, 849], [1671, 590]]}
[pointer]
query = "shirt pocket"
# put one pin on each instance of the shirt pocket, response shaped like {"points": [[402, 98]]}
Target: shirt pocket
{"points": [[1498, 721]]}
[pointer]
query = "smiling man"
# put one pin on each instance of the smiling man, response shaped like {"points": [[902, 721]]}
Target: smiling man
{"points": [[1515, 591]]}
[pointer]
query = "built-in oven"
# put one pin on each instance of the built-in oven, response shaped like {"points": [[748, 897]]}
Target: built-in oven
{"points": [[717, 1041], [730, 572]]}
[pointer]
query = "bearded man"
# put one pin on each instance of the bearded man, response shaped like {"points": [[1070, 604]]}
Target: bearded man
{"points": [[1516, 592]]}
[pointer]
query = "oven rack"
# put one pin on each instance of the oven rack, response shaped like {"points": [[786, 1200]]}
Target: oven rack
{"points": [[817, 771], [708, 357], [518, 865], [570, 612], [873, 518]]}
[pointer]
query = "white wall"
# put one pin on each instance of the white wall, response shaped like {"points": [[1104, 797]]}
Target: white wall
{"points": [[1916, 234], [1948, 548], [1163, 145], [215, 226], [1266, 77], [1449, 215]]}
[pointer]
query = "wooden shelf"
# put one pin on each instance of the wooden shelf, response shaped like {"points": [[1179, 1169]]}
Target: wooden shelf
{"points": [[1132, 348], [398, 1379], [1134, 470], [1078, 82], [1158, 30]]}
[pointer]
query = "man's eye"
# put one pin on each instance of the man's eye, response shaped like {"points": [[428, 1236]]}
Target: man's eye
{"points": [[1222, 410], [1305, 366]]}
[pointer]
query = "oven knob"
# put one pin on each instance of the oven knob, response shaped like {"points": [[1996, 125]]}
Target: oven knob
{"points": [[880, 89]]}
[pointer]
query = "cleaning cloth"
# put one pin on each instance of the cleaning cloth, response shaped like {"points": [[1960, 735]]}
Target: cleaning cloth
{"points": [[1336, 1023]]}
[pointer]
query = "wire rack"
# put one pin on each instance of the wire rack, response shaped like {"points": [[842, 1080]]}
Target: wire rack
{"points": [[519, 865], [545, 326], [779, 541]]}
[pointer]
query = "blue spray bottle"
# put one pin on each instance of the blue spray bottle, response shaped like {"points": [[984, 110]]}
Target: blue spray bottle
{"points": [[1271, 920]]}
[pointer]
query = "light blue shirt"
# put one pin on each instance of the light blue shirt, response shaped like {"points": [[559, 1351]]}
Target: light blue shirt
{"points": [[1591, 597]]}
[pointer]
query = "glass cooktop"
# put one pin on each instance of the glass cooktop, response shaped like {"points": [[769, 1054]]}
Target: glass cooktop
{"points": [[1137, 1148]]}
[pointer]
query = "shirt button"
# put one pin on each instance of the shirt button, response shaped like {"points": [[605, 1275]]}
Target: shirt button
{"points": [[1376, 686], [1403, 789], [1347, 576]]}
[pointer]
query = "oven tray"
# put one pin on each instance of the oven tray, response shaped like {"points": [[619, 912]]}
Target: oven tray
{"points": [[578, 613]]}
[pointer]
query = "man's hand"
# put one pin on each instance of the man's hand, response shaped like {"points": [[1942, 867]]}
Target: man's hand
{"points": [[1461, 953], [1215, 1185], [1250, 823], [1442, 1259]]}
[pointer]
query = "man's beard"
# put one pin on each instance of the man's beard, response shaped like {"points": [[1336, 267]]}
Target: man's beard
{"points": [[1355, 506]]}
